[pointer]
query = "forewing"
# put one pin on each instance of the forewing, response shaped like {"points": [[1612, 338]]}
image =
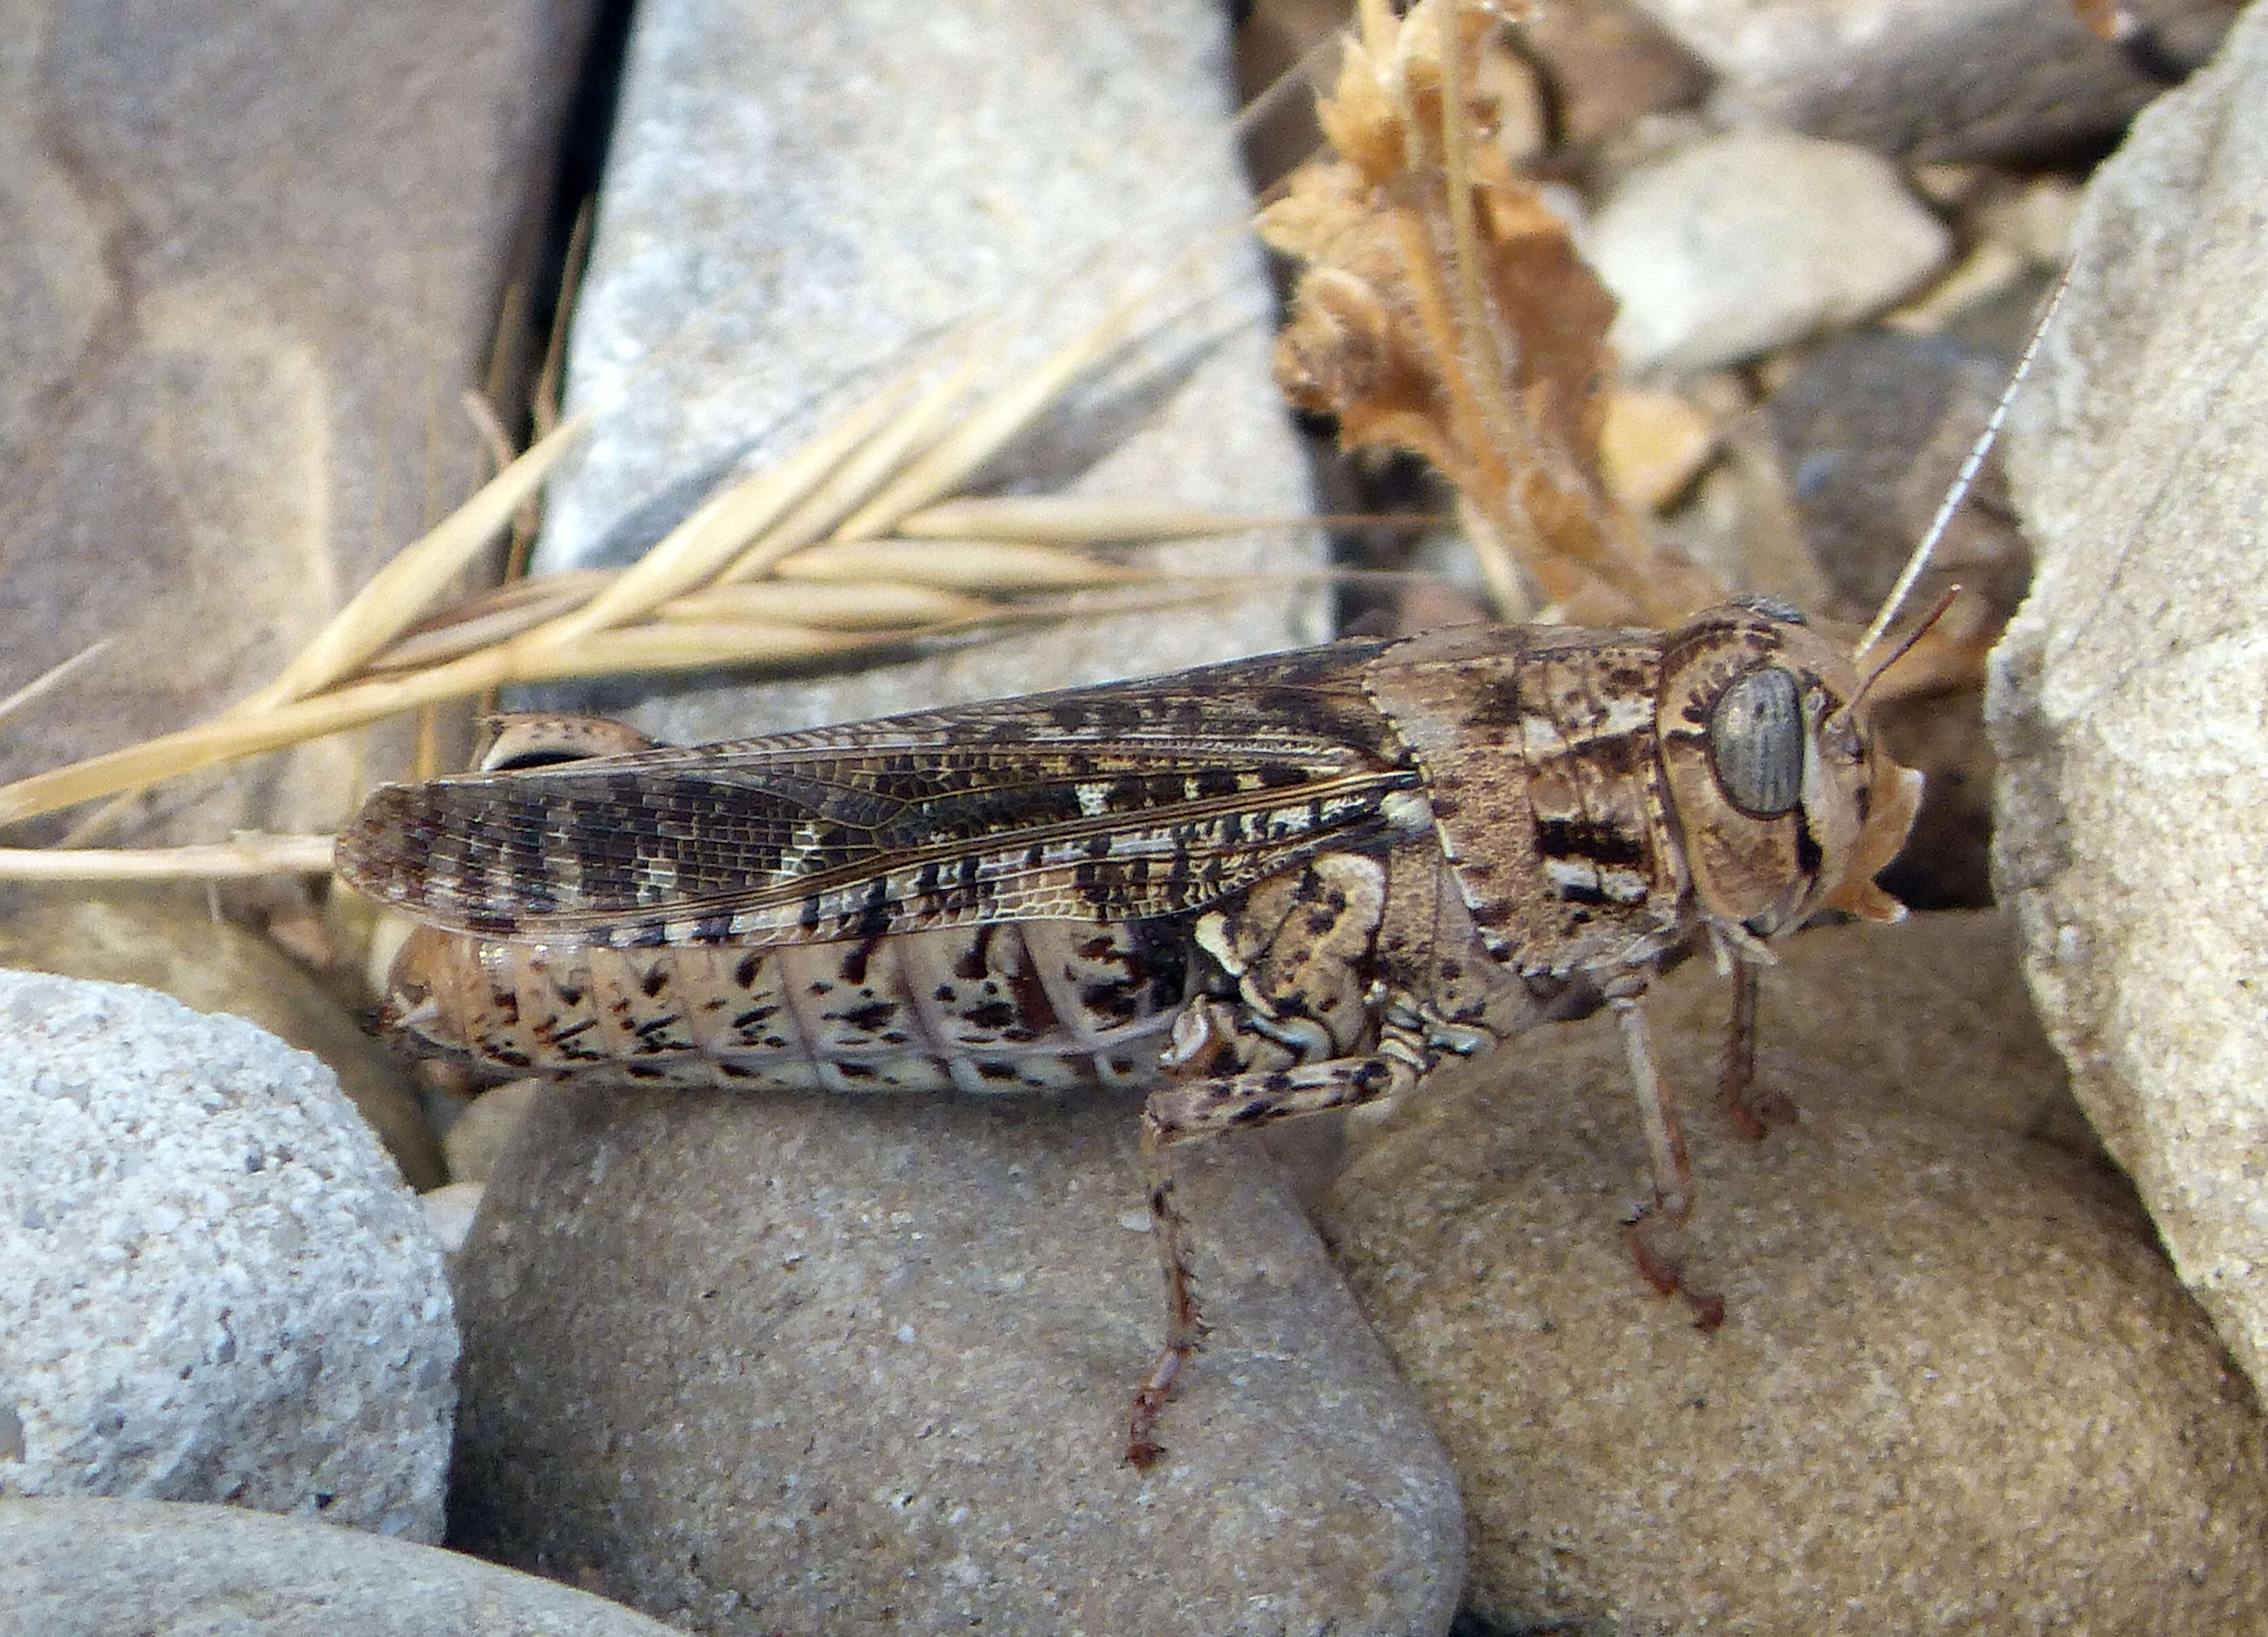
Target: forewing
{"points": [[1115, 803]]}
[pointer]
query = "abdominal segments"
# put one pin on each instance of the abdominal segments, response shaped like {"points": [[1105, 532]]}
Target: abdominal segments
{"points": [[1010, 1006]]}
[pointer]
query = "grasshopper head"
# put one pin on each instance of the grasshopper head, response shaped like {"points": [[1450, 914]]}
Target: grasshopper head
{"points": [[1787, 803]]}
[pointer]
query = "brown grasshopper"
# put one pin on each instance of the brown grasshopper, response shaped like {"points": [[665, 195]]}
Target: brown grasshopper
{"points": [[1263, 888]]}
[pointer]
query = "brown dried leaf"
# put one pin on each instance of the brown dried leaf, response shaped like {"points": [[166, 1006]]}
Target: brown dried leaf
{"points": [[1491, 362]]}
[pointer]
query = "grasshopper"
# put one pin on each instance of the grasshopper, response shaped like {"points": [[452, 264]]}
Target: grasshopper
{"points": [[1263, 889]]}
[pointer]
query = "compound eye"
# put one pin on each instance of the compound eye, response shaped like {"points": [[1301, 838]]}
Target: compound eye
{"points": [[1755, 742]]}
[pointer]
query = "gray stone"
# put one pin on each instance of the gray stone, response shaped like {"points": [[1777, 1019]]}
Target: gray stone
{"points": [[1936, 80], [2128, 698], [803, 197], [755, 1362], [171, 941], [254, 253], [475, 1142], [1735, 244], [449, 1211], [97, 1569], [215, 1285], [1957, 1388]]}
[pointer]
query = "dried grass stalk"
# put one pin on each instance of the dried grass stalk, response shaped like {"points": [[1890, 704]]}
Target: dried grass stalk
{"points": [[402, 590], [1076, 519], [246, 857], [861, 605], [899, 450], [958, 565]]}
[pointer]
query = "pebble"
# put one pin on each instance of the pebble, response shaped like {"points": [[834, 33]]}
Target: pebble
{"points": [[768, 1362], [1653, 446], [801, 199], [1935, 79], [1742, 243], [1957, 1388], [171, 941], [475, 1142], [217, 1286], [2127, 699], [97, 1569]]}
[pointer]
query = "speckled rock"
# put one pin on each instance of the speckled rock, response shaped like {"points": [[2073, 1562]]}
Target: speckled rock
{"points": [[1939, 79], [97, 1569], [807, 195], [2129, 695], [764, 1362], [1957, 1388], [1738, 243], [172, 941], [215, 1285]]}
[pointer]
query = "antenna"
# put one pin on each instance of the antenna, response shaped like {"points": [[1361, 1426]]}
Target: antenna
{"points": [[1971, 465], [1936, 613]]}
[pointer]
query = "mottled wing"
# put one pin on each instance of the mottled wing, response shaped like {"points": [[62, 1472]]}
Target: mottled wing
{"points": [[1115, 803]]}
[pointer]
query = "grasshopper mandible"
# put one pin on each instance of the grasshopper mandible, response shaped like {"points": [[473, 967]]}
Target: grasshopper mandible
{"points": [[1263, 888]]}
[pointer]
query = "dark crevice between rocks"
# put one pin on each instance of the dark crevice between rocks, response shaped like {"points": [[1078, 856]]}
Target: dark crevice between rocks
{"points": [[579, 164]]}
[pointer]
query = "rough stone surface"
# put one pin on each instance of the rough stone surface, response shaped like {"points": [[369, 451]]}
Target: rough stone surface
{"points": [[1735, 244], [1935, 79], [2128, 698], [215, 1285], [760, 1363], [449, 1211], [802, 197], [256, 251], [172, 942], [474, 1144], [98, 1568], [1957, 1388]]}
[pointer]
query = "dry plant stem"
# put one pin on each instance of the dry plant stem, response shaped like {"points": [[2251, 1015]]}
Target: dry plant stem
{"points": [[947, 463], [1476, 335], [358, 704], [45, 683], [952, 566], [250, 856], [861, 474], [1075, 519], [1444, 311], [493, 618], [404, 587], [867, 605], [721, 529]]}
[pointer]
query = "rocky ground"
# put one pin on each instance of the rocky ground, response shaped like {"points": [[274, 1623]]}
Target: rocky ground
{"points": [[1992, 1325]]}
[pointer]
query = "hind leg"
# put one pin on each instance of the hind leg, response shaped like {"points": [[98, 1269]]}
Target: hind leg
{"points": [[1192, 1110]]}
